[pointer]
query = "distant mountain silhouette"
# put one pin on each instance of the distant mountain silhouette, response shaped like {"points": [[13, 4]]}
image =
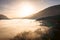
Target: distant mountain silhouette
{"points": [[50, 11], [3, 17], [57, 17]]}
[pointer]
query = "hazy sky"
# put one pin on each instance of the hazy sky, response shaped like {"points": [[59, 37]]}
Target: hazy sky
{"points": [[10, 7], [45, 3]]}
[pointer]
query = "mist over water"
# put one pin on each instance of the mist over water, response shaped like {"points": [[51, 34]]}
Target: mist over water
{"points": [[10, 28]]}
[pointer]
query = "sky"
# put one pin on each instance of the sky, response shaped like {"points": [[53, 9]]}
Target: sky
{"points": [[13, 8]]}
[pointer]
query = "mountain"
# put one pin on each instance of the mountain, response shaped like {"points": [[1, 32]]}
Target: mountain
{"points": [[3, 17], [50, 11]]}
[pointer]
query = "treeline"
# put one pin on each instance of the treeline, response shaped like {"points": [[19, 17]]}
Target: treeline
{"points": [[36, 35]]}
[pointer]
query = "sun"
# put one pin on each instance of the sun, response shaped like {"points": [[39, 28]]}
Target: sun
{"points": [[26, 9]]}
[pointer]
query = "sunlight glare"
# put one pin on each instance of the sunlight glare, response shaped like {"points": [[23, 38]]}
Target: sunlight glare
{"points": [[26, 9]]}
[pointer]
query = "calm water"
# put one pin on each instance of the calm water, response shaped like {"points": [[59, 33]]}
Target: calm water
{"points": [[10, 28]]}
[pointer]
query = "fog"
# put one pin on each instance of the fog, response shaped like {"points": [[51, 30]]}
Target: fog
{"points": [[10, 28]]}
